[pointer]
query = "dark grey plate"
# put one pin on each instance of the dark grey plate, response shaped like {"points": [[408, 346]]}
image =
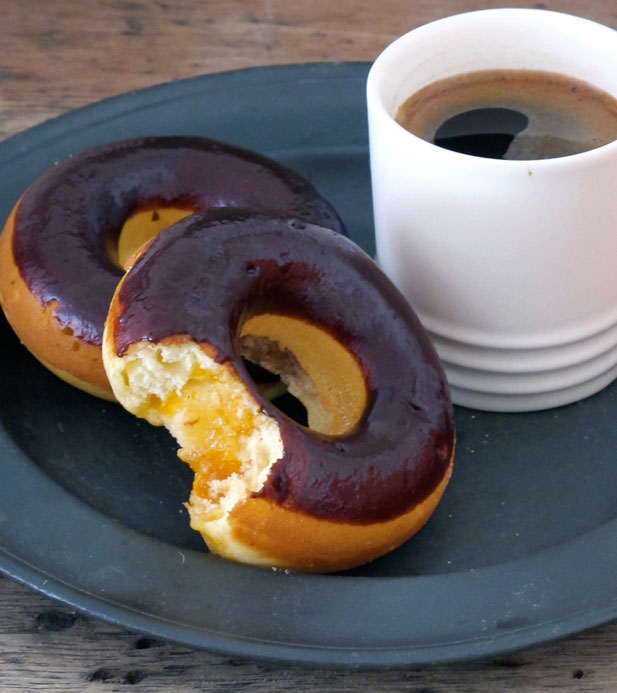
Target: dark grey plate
{"points": [[522, 549]]}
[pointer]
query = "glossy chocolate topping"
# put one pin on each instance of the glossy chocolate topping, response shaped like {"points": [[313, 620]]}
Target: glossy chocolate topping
{"points": [[203, 276], [71, 216]]}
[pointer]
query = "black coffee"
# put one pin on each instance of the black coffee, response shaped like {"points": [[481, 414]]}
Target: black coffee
{"points": [[512, 114]]}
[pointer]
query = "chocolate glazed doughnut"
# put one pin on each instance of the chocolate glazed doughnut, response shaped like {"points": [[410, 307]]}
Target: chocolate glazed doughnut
{"points": [[372, 465], [64, 245]]}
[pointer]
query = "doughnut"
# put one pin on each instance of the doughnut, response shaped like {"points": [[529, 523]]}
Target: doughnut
{"points": [[65, 243], [218, 290]]}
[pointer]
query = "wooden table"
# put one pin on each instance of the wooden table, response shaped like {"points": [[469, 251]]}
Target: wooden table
{"points": [[58, 55]]}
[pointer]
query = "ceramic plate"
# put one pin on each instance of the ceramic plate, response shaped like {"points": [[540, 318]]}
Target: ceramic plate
{"points": [[522, 549]]}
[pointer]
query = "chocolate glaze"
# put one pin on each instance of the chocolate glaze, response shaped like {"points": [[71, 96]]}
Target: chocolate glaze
{"points": [[206, 274], [69, 218]]}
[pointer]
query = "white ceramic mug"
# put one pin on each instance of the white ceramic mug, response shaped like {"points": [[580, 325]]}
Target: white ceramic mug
{"points": [[510, 265]]}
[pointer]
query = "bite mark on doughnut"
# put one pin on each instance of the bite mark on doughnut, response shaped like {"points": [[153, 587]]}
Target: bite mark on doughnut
{"points": [[223, 434]]}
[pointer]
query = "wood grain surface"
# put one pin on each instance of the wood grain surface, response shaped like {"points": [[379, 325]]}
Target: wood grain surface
{"points": [[60, 54]]}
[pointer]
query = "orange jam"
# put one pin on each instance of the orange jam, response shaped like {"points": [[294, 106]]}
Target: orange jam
{"points": [[209, 427]]}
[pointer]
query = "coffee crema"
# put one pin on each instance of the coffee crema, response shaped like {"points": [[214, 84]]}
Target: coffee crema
{"points": [[512, 114]]}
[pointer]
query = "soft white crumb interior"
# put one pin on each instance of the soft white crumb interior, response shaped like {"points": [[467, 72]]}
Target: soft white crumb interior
{"points": [[150, 374]]}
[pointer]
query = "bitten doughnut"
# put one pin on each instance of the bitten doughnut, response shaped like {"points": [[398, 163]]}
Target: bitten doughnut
{"points": [[372, 465], [63, 247]]}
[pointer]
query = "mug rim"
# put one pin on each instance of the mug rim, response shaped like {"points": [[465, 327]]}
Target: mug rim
{"points": [[375, 99]]}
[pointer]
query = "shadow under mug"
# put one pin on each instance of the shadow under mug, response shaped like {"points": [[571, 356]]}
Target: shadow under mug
{"points": [[510, 265]]}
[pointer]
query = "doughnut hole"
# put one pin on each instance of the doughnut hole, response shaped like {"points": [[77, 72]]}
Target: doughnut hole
{"points": [[316, 369], [274, 390], [142, 226]]}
